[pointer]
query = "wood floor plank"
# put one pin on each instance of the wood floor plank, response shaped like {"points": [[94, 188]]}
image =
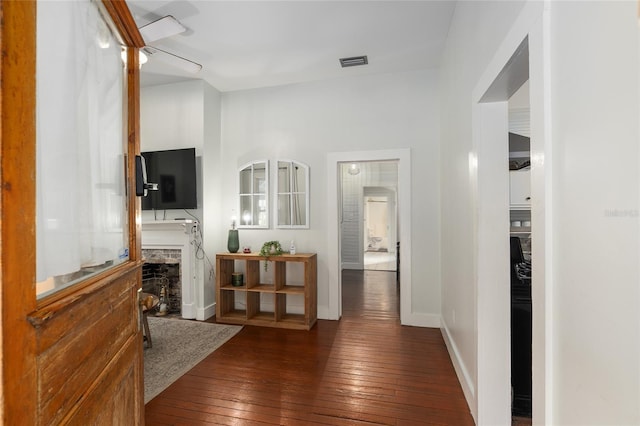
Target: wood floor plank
{"points": [[365, 369]]}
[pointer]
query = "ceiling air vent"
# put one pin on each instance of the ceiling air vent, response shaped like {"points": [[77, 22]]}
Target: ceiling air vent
{"points": [[354, 61]]}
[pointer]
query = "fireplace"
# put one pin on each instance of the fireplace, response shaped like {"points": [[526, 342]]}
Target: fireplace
{"points": [[161, 276], [174, 244]]}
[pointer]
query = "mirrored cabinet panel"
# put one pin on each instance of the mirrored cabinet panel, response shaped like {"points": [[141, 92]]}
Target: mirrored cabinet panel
{"points": [[292, 195], [254, 195]]}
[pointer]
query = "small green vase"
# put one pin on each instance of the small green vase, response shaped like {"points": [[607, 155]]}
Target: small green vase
{"points": [[233, 244]]}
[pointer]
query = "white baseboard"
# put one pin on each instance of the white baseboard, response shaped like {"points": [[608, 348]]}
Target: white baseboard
{"points": [[323, 313], [462, 372], [188, 311], [422, 320], [205, 313]]}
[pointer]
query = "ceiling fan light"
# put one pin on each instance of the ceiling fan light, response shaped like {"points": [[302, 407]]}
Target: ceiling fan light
{"points": [[161, 28], [142, 58]]}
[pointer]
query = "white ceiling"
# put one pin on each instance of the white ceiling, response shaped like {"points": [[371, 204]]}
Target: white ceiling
{"points": [[250, 44], [520, 99]]}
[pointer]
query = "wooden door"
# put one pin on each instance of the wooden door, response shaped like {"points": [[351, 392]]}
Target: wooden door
{"points": [[74, 357]]}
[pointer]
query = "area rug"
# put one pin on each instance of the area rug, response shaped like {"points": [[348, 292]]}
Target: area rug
{"points": [[178, 345]]}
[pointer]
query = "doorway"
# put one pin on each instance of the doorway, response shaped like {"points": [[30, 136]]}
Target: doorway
{"points": [[337, 215], [368, 228], [523, 56], [380, 236], [520, 253]]}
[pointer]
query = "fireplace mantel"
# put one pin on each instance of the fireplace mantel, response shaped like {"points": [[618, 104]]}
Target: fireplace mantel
{"points": [[184, 235]]}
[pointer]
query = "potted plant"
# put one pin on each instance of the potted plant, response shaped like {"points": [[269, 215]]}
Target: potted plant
{"points": [[270, 248]]}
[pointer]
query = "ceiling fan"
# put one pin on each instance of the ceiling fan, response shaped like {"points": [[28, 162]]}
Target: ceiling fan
{"points": [[164, 27]]}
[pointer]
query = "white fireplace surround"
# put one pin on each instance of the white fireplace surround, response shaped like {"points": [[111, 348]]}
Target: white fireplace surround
{"points": [[181, 235]]}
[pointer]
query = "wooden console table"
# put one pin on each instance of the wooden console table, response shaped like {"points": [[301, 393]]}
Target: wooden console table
{"points": [[242, 304]]}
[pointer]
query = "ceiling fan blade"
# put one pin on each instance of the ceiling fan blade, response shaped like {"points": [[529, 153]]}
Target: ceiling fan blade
{"points": [[166, 26], [175, 60]]}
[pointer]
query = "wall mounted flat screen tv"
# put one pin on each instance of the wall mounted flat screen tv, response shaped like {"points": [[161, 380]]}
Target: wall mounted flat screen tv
{"points": [[175, 173]]}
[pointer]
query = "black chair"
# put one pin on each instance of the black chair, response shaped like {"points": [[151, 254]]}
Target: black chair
{"points": [[520, 267], [398, 262], [520, 330], [516, 251]]}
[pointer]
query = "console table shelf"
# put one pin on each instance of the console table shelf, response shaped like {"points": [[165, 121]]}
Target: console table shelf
{"points": [[252, 293]]}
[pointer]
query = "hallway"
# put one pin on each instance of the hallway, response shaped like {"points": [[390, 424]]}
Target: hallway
{"points": [[365, 368], [379, 261]]}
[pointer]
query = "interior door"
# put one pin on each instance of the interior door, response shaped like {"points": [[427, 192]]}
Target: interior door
{"points": [[376, 220], [74, 356]]}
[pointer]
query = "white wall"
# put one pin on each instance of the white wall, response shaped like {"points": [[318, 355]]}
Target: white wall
{"points": [[212, 184], [476, 32], [591, 155], [596, 299], [187, 115], [305, 122], [172, 117]]}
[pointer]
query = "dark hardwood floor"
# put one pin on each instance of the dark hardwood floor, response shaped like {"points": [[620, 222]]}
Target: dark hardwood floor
{"points": [[364, 369]]}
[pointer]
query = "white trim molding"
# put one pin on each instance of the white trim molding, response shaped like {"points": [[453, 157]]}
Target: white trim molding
{"points": [[464, 377]]}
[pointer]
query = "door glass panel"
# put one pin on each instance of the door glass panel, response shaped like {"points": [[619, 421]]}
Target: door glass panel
{"points": [[254, 195], [284, 205], [284, 172], [82, 221], [299, 179], [293, 195], [245, 180], [246, 217], [259, 209], [259, 175], [299, 209]]}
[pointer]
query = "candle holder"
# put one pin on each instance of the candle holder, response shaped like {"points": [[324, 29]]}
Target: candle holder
{"points": [[237, 279]]}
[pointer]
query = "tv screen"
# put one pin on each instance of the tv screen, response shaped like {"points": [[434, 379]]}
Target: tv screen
{"points": [[175, 173]]}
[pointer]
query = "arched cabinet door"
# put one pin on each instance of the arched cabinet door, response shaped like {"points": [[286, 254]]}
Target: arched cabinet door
{"points": [[253, 195], [292, 205]]}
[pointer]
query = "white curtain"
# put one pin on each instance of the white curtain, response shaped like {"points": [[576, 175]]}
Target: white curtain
{"points": [[81, 201]]}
